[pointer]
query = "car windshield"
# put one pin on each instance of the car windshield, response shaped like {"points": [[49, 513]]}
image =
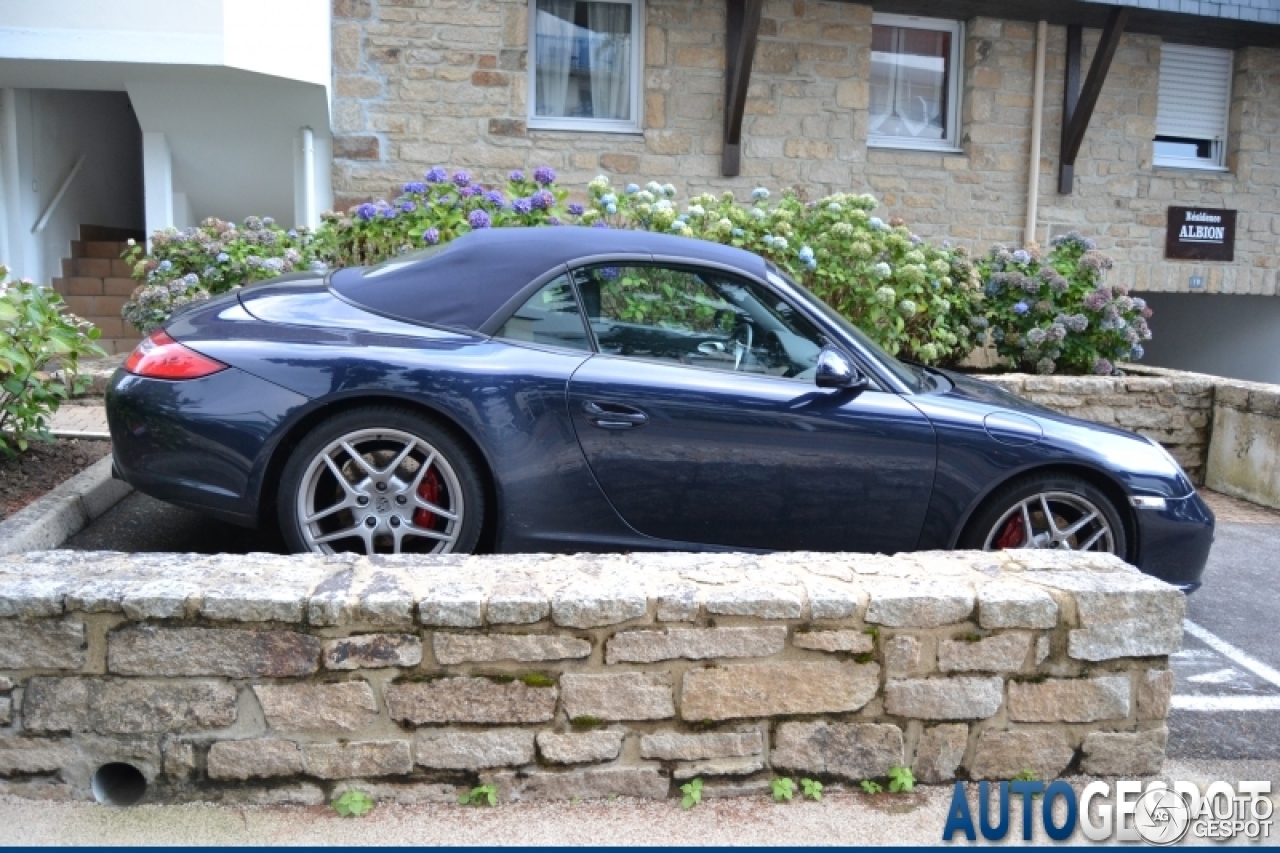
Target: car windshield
{"points": [[913, 377]]}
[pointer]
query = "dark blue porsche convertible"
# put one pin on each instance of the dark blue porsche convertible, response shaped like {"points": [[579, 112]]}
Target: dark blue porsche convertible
{"points": [[571, 389]]}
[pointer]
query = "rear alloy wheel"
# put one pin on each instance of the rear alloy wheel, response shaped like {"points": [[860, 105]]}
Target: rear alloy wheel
{"points": [[1058, 512], [381, 481]]}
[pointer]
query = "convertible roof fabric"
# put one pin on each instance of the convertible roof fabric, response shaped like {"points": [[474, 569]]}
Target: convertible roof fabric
{"points": [[463, 285]]}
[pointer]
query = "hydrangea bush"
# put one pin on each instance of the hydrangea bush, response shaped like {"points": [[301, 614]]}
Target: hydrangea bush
{"points": [[216, 256], [41, 345], [435, 210], [1054, 312]]}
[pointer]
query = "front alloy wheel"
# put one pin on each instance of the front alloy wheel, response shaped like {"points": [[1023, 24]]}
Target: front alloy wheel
{"points": [[1059, 512], [380, 482]]}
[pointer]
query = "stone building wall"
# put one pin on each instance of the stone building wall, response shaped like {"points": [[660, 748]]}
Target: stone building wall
{"points": [[266, 679], [426, 82]]}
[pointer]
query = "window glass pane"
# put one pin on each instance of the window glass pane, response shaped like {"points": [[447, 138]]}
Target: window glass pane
{"points": [[697, 318], [910, 79], [582, 60], [551, 317]]}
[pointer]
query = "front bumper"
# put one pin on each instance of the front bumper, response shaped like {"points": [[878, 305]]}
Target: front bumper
{"points": [[199, 443], [1174, 541]]}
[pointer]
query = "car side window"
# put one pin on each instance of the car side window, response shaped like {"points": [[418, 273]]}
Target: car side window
{"points": [[697, 317], [550, 317]]}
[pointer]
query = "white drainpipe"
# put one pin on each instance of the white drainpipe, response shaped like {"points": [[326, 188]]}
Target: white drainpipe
{"points": [[309, 179], [1037, 113]]}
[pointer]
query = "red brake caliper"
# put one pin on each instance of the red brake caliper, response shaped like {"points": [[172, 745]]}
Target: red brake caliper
{"points": [[429, 490], [1011, 535]]}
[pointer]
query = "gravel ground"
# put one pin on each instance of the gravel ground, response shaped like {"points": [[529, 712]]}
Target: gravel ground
{"points": [[843, 818]]}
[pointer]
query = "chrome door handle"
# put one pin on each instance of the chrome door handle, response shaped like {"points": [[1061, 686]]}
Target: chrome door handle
{"points": [[616, 416]]}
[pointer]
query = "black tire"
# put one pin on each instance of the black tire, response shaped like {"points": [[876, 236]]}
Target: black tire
{"points": [[375, 432], [984, 530]]}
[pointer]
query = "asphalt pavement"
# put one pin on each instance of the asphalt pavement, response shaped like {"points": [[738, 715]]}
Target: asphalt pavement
{"points": [[1227, 694]]}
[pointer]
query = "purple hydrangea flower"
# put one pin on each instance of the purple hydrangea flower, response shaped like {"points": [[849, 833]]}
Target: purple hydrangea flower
{"points": [[600, 223], [408, 206], [479, 219], [1022, 256], [542, 200], [389, 212], [522, 205], [415, 187], [553, 220], [431, 236], [468, 192], [495, 198], [575, 209], [437, 175], [461, 178], [1021, 308], [544, 175], [516, 175], [366, 211], [1102, 367]]}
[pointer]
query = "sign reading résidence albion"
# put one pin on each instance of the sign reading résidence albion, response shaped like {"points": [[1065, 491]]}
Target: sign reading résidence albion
{"points": [[1201, 234]]}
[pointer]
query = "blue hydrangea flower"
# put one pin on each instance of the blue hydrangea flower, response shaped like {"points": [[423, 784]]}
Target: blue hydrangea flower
{"points": [[274, 264], [366, 211], [191, 278], [1022, 256], [408, 206], [608, 199], [479, 219], [811, 264], [495, 198], [516, 175], [759, 194], [737, 232], [676, 226], [522, 205], [542, 200], [166, 265], [462, 178], [389, 213], [575, 209], [292, 234], [632, 189], [757, 213], [431, 236], [805, 254], [877, 223], [222, 257], [544, 175], [437, 175], [415, 187], [1021, 308], [1137, 352], [611, 209]]}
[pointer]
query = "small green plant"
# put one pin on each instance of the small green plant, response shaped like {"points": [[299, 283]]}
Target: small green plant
{"points": [[480, 795], [1027, 775], [811, 788], [538, 679], [41, 344], [353, 804], [870, 787], [692, 794], [901, 780], [783, 789], [586, 722]]}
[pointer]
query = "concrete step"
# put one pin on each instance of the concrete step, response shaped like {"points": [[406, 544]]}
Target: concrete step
{"points": [[100, 267], [110, 250]]}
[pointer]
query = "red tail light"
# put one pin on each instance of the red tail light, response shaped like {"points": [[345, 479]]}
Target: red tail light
{"points": [[161, 357]]}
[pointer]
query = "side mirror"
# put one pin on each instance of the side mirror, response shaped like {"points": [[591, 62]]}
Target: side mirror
{"points": [[836, 371]]}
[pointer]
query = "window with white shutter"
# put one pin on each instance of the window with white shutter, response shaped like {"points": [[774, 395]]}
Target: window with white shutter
{"points": [[1195, 97]]}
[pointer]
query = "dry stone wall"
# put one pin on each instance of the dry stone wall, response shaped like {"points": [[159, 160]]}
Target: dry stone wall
{"points": [[267, 679]]}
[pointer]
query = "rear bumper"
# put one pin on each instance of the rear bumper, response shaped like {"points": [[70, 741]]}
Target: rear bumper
{"points": [[1174, 542], [199, 443]]}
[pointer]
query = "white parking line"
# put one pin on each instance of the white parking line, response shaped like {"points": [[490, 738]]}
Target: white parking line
{"points": [[1240, 658], [1236, 655], [1226, 703]]}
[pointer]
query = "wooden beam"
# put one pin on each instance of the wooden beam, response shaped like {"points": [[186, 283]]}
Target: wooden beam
{"points": [[742, 25], [1077, 102]]}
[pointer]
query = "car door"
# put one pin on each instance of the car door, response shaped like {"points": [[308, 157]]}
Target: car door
{"points": [[701, 421]]}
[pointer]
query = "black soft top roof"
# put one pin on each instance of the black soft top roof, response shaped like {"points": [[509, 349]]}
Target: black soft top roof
{"points": [[468, 282]]}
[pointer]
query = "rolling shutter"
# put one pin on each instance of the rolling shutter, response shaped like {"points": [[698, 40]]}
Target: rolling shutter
{"points": [[1195, 92]]}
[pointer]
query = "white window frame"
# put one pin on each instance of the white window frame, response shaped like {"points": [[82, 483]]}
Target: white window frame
{"points": [[955, 86], [595, 125], [1217, 163]]}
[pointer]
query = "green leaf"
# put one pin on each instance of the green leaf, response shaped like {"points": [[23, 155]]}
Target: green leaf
{"points": [[901, 779], [353, 804], [783, 789], [812, 788], [692, 794]]}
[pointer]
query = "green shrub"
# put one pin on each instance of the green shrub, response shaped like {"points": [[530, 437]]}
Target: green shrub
{"points": [[1054, 313], [193, 264], [41, 345]]}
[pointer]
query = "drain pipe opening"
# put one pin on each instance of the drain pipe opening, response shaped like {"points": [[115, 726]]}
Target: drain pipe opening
{"points": [[118, 784]]}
